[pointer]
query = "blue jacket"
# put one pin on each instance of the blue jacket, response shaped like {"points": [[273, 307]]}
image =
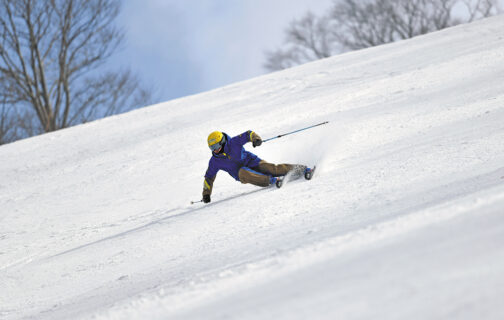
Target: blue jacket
{"points": [[233, 157]]}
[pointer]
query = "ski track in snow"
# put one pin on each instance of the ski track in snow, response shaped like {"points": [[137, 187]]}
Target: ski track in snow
{"points": [[403, 218]]}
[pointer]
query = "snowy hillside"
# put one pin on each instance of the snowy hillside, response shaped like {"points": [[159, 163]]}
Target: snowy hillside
{"points": [[404, 218]]}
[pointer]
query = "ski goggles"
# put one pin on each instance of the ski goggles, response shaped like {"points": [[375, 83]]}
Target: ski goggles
{"points": [[217, 146]]}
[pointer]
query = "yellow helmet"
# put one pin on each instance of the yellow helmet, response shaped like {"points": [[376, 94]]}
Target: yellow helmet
{"points": [[216, 140]]}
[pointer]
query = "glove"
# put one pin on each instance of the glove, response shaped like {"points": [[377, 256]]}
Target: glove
{"points": [[257, 142], [206, 198]]}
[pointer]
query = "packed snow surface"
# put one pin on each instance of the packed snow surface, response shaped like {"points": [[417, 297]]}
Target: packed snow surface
{"points": [[402, 220]]}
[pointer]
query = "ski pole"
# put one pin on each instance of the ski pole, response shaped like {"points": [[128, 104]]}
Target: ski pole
{"points": [[281, 135], [193, 202]]}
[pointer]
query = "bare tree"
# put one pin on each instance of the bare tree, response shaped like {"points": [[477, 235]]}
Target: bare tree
{"points": [[366, 23], [307, 39], [9, 118], [357, 24], [7, 127], [53, 56]]}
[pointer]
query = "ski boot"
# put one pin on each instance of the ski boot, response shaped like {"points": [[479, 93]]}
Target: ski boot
{"points": [[308, 172], [278, 181]]}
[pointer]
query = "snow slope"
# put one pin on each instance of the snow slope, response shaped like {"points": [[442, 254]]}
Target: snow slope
{"points": [[403, 220]]}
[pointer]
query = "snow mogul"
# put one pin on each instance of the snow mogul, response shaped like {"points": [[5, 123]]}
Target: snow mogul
{"points": [[228, 154]]}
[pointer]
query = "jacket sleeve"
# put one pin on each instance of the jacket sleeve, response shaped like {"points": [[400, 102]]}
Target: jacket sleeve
{"points": [[210, 176], [208, 185], [247, 136]]}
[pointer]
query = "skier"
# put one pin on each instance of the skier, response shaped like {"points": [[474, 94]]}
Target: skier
{"points": [[229, 155]]}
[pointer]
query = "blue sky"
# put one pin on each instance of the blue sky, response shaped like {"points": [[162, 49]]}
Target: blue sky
{"points": [[188, 46]]}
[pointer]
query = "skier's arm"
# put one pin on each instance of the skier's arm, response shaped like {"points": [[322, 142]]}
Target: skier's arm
{"points": [[249, 136], [207, 188], [210, 175]]}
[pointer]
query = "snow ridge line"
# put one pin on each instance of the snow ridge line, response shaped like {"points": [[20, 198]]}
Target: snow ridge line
{"points": [[174, 213], [169, 215]]}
